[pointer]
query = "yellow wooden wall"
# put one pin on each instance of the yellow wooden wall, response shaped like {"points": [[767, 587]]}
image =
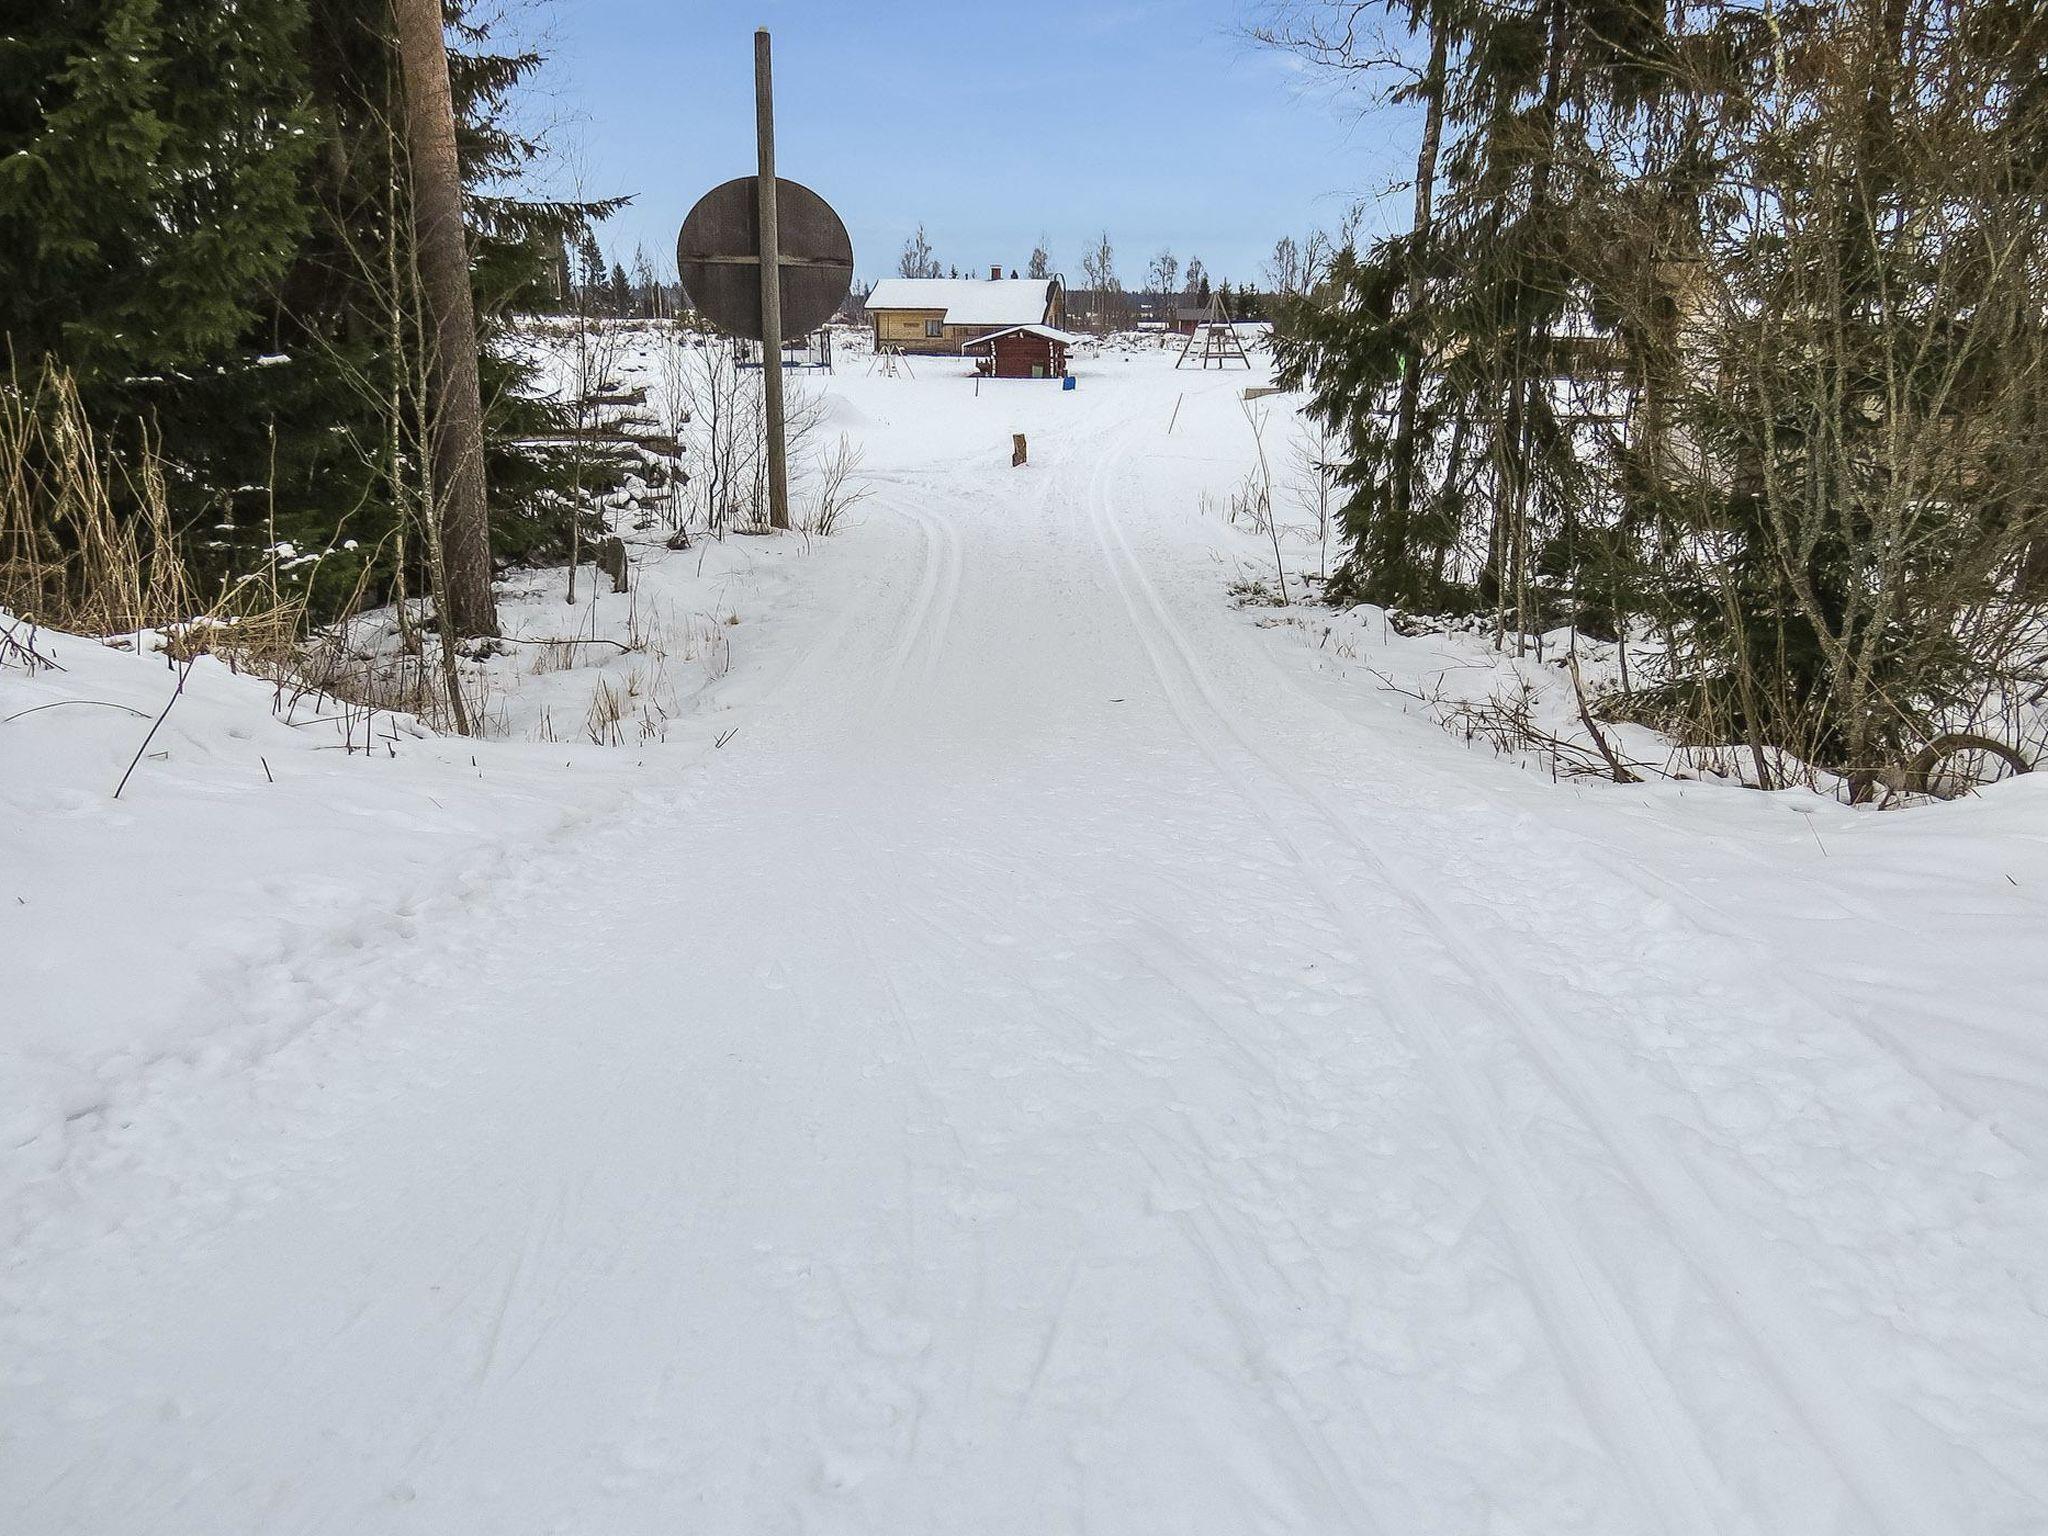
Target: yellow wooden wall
{"points": [[905, 328]]}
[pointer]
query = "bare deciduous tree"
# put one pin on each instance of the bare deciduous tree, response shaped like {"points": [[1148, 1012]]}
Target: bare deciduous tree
{"points": [[1283, 267], [1099, 267], [712, 400], [917, 259], [1164, 273]]}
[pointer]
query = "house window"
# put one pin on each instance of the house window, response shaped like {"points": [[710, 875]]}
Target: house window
{"points": [[934, 328]]}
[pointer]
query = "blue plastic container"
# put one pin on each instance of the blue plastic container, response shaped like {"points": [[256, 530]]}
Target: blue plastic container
{"points": [[1067, 382]]}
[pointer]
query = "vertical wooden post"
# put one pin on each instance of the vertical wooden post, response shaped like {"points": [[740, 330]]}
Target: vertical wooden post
{"points": [[771, 287]]}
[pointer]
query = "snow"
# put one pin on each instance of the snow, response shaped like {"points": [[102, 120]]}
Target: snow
{"points": [[1085, 1055], [966, 301], [1064, 338], [258, 818]]}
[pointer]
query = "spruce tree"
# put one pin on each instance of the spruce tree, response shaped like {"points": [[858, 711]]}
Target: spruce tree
{"points": [[198, 215], [1437, 352], [1724, 319], [150, 153], [332, 316], [590, 269]]}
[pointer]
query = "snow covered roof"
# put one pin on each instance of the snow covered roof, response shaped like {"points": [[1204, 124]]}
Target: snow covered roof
{"points": [[967, 300], [1046, 331], [919, 292]]}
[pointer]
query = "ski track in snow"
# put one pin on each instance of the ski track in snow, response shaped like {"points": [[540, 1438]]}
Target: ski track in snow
{"points": [[1621, 1384], [1058, 1070]]}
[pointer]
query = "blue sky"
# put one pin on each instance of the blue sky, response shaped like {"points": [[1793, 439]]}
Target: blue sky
{"points": [[990, 122]]}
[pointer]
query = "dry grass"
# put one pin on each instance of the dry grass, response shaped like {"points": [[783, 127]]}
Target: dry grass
{"points": [[338, 674], [87, 546], [838, 488], [607, 710], [67, 560]]}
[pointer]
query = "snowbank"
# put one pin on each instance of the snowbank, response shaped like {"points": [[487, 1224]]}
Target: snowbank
{"points": [[131, 923], [258, 825]]}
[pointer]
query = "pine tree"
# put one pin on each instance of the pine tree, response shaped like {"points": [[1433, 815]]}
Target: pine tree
{"points": [[459, 502]]}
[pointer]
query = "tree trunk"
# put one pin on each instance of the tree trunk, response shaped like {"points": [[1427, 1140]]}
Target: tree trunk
{"points": [[441, 253], [1528, 350], [1395, 538], [2034, 569]]}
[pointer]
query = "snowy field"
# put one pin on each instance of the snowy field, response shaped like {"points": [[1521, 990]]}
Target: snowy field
{"points": [[1003, 1038]]}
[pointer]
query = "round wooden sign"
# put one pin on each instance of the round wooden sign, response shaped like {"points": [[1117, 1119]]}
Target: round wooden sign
{"points": [[718, 257]]}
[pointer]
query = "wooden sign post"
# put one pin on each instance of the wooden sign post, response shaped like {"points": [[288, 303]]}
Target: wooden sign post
{"points": [[771, 285], [760, 258]]}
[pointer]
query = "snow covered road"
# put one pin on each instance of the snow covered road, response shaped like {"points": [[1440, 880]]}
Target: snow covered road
{"points": [[1068, 1066]]}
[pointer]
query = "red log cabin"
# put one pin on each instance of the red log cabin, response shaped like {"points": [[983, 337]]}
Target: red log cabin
{"points": [[1021, 352]]}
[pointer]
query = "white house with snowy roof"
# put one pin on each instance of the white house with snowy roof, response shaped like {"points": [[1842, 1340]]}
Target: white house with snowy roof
{"points": [[937, 314]]}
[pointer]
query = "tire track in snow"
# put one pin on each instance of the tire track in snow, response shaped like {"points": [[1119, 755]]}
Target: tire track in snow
{"points": [[1851, 1438]]}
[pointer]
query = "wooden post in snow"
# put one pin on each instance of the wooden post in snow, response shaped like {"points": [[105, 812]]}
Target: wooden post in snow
{"points": [[771, 287]]}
